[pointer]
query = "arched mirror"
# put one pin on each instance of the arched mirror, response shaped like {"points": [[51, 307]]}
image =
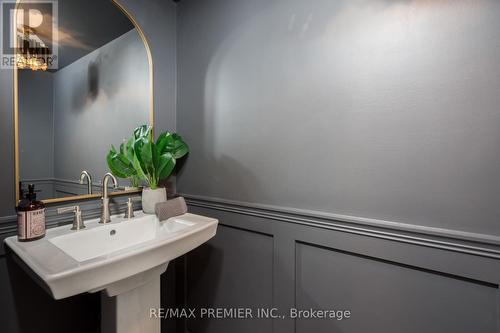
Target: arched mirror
{"points": [[83, 82]]}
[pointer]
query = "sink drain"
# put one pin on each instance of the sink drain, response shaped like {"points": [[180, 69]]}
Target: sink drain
{"points": [[112, 232]]}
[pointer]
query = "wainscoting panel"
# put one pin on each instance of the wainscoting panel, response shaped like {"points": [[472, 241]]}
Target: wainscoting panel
{"points": [[391, 280], [233, 270], [387, 296]]}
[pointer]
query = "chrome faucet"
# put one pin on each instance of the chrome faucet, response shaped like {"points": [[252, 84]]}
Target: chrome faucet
{"points": [[86, 175], [105, 217]]}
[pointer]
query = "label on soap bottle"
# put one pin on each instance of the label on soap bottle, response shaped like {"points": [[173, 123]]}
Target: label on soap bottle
{"points": [[30, 224]]}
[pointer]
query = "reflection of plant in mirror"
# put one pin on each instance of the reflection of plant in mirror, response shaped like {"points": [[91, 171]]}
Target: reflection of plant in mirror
{"points": [[142, 158], [121, 163]]}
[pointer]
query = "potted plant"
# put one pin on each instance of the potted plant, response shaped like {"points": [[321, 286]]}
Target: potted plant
{"points": [[142, 158]]}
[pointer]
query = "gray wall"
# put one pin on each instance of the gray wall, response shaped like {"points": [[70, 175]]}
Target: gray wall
{"points": [[158, 20], [7, 167], [98, 101], [379, 109], [350, 152]]}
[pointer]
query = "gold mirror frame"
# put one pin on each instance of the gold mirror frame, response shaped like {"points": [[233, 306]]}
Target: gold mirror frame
{"points": [[16, 114]]}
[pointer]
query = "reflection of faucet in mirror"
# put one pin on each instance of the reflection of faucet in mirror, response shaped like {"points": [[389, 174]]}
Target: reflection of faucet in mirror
{"points": [[105, 218], [86, 175]]}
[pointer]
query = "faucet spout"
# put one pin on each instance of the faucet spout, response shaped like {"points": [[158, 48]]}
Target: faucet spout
{"points": [[105, 216], [85, 175], [105, 181]]}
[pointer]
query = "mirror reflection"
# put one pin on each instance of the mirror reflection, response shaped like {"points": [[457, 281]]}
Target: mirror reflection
{"points": [[70, 115]]}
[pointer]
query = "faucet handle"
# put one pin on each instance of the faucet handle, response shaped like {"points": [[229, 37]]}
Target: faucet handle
{"points": [[77, 219], [67, 209], [129, 213]]}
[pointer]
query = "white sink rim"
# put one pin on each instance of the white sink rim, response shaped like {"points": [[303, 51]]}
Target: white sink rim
{"points": [[162, 250]]}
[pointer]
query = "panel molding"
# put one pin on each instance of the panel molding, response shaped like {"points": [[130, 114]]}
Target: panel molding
{"points": [[445, 239], [399, 264]]}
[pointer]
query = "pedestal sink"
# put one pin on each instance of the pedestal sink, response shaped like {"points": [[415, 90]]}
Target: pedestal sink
{"points": [[123, 260]]}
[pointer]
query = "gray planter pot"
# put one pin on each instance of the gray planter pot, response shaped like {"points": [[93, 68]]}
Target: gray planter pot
{"points": [[151, 197]]}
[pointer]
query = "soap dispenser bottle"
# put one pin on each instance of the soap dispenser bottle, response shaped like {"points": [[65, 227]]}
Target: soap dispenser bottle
{"points": [[30, 217]]}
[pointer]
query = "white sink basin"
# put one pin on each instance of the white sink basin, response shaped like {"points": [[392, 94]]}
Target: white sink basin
{"points": [[107, 239], [100, 257]]}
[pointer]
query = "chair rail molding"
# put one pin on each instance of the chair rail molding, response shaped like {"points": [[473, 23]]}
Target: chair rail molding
{"points": [[447, 239]]}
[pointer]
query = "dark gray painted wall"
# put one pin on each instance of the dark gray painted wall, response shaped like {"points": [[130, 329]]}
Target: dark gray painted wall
{"points": [[36, 125], [316, 128], [7, 189], [380, 109], [158, 20], [231, 271]]}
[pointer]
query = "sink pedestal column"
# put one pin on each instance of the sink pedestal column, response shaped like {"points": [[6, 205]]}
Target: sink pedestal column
{"points": [[126, 304]]}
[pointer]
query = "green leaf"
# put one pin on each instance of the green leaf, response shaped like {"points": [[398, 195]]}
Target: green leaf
{"points": [[143, 132], [172, 143], [165, 142], [129, 149], [138, 146], [181, 150], [180, 147], [119, 165], [146, 158], [138, 168], [166, 165], [115, 171]]}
